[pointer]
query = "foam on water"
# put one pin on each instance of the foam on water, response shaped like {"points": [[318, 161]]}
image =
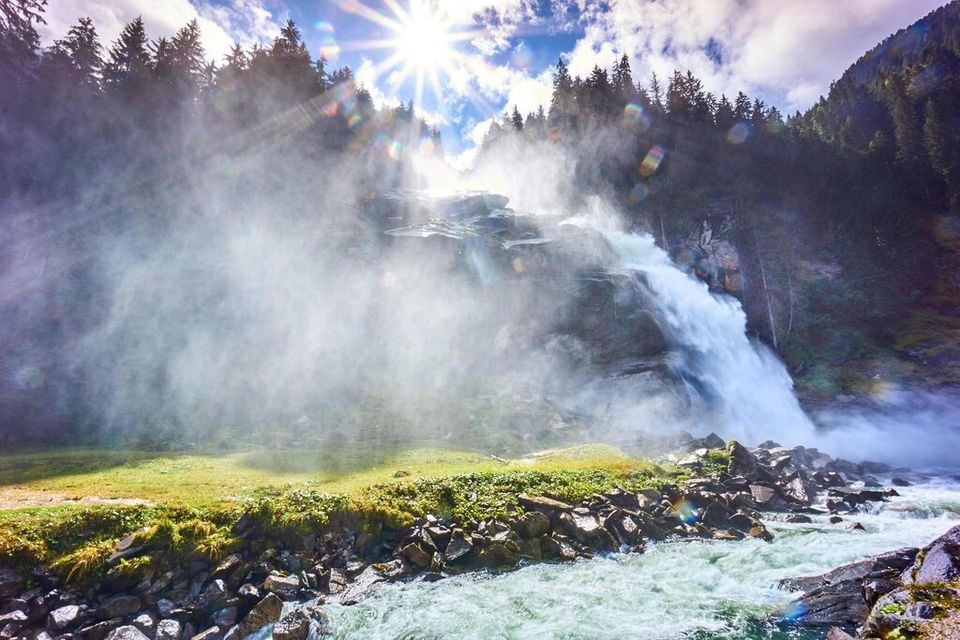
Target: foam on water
{"points": [[697, 590], [747, 390]]}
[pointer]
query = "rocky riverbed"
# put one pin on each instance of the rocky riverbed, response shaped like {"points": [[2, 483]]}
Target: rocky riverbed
{"points": [[730, 489]]}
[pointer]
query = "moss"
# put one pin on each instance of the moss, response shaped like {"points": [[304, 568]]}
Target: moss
{"points": [[894, 608], [85, 564]]}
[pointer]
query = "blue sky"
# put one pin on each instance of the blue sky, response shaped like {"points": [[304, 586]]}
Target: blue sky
{"points": [[503, 51]]}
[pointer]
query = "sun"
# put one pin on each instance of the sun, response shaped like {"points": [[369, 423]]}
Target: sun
{"points": [[422, 38]]}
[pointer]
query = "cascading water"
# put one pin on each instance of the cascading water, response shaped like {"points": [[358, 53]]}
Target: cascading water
{"points": [[746, 390]]}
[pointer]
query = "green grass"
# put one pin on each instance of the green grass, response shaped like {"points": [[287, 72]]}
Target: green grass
{"points": [[196, 498]]}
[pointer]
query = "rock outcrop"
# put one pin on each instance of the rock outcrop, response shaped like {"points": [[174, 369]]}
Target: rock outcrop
{"points": [[904, 593]]}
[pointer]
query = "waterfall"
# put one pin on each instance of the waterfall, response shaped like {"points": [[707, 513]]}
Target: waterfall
{"points": [[744, 388]]}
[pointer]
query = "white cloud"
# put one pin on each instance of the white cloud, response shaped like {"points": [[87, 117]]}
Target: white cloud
{"points": [[787, 51], [244, 21]]}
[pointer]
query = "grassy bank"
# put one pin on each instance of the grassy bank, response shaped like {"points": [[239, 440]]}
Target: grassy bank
{"points": [[194, 500]]}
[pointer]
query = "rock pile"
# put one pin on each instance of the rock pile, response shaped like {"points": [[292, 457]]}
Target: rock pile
{"points": [[244, 592], [903, 593]]}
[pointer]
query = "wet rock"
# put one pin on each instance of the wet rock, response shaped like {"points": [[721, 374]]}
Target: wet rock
{"points": [[534, 524], [225, 618], [100, 630], [213, 633], [460, 546], [127, 632], [286, 587], [120, 606], [542, 504], [165, 607], [267, 611], [938, 562], [13, 621], [800, 491], [854, 526], [836, 633], [11, 583], [900, 482], [416, 555], [922, 610], [169, 629], [797, 518], [835, 520], [63, 617], [836, 598], [742, 462], [293, 626]]}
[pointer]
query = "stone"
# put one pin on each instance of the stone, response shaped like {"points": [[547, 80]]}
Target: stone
{"points": [[835, 520], [11, 583], [99, 630], [164, 607], [120, 606], [127, 632], [225, 618], [213, 633], [499, 553], [742, 462], [145, 622], [583, 527], [938, 562], [416, 555], [836, 633], [63, 617], [542, 503], [800, 491], [214, 596], [460, 546], [900, 482], [169, 629], [797, 518], [836, 598], [534, 524], [267, 611], [763, 495], [854, 526], [286, 587], [293, 626]]}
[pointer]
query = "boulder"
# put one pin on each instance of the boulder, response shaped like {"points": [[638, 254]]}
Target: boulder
{"points": [[120, 606], [742, 462], [63, 617], [169, 629], [416, 554], [267, 611], [127, 632], [837, 598], [11, 583], [460, 546], [286, 587], [800, 491], [293, 626], [836, 633], [534, 524], [213, 633], [938, 562], [542, 504]]}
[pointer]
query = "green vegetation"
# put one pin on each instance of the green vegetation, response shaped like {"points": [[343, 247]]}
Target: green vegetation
{"points": [[197, 499]]}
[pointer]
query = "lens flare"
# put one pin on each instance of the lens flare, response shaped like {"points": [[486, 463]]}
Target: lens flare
{"points": [[652, 162], [739, 133]]}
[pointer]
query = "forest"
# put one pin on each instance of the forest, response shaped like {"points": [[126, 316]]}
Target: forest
{"points": [[841, 215]]}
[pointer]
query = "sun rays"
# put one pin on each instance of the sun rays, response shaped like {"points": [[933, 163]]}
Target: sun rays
{"points": [[424, 42]]}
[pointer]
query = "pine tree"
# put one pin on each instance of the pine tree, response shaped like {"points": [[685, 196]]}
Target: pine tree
{"points": [[562, 100], [516, 120], [129, 64], [82, 46], [187, 64], [19, 40], [724, 117], [656, 95], [741, 107]]}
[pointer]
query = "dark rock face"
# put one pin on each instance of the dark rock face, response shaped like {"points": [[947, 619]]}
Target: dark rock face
{"points": [[836, 598], [940, 562]]}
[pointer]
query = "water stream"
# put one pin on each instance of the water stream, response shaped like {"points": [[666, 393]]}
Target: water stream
{"points": [[689, 590]]}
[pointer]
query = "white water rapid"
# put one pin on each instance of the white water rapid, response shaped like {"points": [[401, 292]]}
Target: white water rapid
{"points": [[694, 590], [746, 390]]}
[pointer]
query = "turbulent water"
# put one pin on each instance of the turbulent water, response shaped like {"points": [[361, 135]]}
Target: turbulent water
{"points": [[747, 390], [689, 590]]}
